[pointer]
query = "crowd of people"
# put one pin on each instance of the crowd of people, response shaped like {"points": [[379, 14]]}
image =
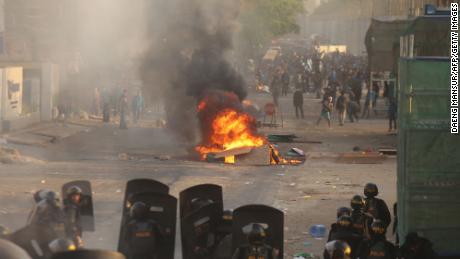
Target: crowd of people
{"points": [[360, 232], [341, 79]]}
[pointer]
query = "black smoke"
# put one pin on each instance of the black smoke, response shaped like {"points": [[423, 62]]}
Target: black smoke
{"points": [[189, 47]]}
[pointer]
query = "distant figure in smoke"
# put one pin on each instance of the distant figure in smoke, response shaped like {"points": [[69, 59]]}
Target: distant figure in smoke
{"points": [[123, 102], [137, 105], [96, 102], [326, 111], [276, 85], [298, 103], [105, 105], [392, 114], [285, 78]]}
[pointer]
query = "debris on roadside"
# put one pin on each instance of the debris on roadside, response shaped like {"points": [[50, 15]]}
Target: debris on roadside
{"points": [[289, 138]]}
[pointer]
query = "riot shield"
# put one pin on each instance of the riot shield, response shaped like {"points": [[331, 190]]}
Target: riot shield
{"points": [[270, 218], [162, 209], [88, 254], [203, 191], [144, 185], [198, 229], [86, 203], [34, 239]]}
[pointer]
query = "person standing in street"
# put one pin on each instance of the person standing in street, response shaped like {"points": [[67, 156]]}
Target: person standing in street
{"points": [[123, 104], [326, 110], [137, 106], [285, 78], [341, 105], [276, 85], [298, 103], [392, 114], [96, 102]]}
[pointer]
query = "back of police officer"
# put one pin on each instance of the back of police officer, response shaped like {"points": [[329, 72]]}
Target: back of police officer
{"points": [[50, 214], [361, 223], [256, 248], [345, 233], [143, 236], [337, 249], [375, 207], [341, 211], [73, 219], [416, 247], [377, 247]]}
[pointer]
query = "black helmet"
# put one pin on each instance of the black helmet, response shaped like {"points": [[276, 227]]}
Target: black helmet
{"points": [[256, 235], [139, 210], [338, 249], [52, 198], [343, 211], [88, 254], [344, 221], [4, 231], [40, 195], [9, 250], [357, 202], [74, 190], [371, 190], [61, 245], [378, 227]]}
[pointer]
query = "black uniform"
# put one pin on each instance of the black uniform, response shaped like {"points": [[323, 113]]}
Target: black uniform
{"points": [[255, 252], [50, 215], [377, 248], [345, 233], [73, 221], [416, 247], [144, 239], [378, 209], [360, 223]]}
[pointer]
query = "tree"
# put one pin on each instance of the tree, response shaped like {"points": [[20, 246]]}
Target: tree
{"points": [[263, 20]]}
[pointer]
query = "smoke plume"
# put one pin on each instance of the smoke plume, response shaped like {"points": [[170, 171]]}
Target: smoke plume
{"points": [[189, 44]]}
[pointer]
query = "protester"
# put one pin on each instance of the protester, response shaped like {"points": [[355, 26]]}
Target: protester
{"points": [[298, 103], [326, 111]]}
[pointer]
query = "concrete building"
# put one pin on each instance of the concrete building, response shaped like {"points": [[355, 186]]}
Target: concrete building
{"points": [[29, 74]]}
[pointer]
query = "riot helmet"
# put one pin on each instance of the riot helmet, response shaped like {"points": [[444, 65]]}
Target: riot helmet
{"points": [[61, 245], [74, 190], [338, 249], [9, 250], [256, 235], [343, 211], [52, 198], [378, 228], [74, 194], [357, 202], [139, 210], [344, 222], [40, 195], [371, 190]]}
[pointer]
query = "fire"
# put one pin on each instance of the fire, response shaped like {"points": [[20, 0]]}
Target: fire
{"points": [[225, 126], [231, 129]]}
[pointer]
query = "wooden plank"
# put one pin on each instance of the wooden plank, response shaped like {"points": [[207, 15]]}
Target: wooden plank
{"points": [[258, 156], [233, 152]]}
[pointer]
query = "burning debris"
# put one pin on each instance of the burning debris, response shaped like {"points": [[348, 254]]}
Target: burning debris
{"points": [[229, 132]]}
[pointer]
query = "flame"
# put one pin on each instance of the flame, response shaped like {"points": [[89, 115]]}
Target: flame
{"points": [[231, 129]]}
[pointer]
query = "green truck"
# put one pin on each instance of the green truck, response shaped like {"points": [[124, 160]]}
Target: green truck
{"points": [[428, 154]]}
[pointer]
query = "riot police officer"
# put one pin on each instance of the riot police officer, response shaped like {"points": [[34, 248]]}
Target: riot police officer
{"points": [[50, 214], [416, 247], [72, 213], [341, 211], [377, 246], [256, 248], [345, 233], [361, 222], [143, 235], [337, 249], [375, 207]]}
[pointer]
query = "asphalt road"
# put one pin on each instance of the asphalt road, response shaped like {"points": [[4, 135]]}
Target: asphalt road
{"points": [[309, 194]]}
